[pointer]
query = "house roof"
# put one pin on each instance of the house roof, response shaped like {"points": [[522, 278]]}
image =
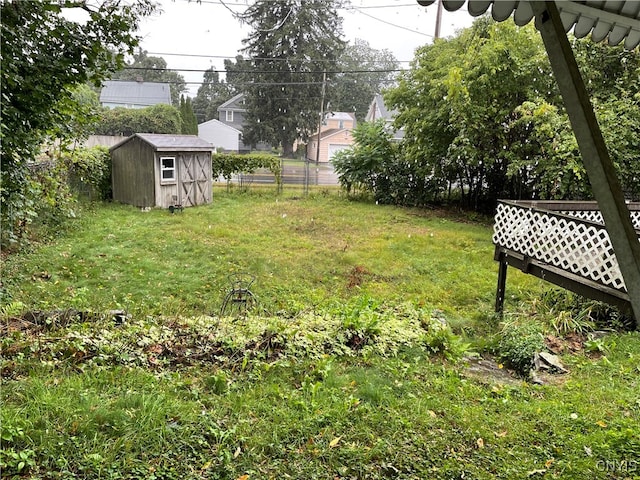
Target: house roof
{"points": [[340, 116], [233, 103], [170, 143], [385, 113], [135, 93], [615, 20], [219, 124], [330, 132]]}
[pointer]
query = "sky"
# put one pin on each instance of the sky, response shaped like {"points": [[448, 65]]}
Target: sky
{"points": [[196, 35]]}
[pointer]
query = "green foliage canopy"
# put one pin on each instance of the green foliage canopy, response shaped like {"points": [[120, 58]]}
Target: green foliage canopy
{"points": [[482, 113], [44, 56], [290, 45], [365, 72], [211, 94], [127, 121]]}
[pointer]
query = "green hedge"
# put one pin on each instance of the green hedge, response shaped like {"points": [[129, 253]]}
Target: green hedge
{"points": [[227, 164], [89, 171]]}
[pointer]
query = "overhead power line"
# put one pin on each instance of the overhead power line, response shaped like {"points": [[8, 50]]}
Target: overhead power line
{"points": [[198, 70], [233, 57], [393, 24]]}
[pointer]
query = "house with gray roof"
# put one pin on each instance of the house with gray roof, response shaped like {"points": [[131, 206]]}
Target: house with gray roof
{"points": [[232, 113], [134, 94]]}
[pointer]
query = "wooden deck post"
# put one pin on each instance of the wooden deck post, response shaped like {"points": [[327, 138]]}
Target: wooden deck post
{"points": [[600, 169], [502, 284]]}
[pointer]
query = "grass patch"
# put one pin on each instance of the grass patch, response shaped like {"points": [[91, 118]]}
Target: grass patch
{"points": [[354, 367], [302, 251]]}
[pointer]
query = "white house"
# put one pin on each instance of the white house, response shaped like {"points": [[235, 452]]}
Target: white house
{"points": [[220, 135]]}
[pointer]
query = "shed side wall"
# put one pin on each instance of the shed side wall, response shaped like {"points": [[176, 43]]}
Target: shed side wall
{"points": [[132, 175]]}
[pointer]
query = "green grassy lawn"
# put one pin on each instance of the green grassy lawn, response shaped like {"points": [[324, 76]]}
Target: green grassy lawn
{"points": [[305, 252], [354, 365]]}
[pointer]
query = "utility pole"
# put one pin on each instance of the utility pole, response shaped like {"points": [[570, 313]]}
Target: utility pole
{"points": [[324, 82], [438, 20]]}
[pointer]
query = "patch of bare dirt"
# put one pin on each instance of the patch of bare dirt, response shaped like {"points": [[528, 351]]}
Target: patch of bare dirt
{"points": [[357, 276], [486, 370]]}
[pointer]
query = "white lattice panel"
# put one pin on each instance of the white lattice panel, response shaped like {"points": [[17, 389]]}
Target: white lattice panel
{"points": [[596, 216], [572, 245]]}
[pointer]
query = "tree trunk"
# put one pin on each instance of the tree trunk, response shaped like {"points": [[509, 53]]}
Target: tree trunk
{"points": [[287, 150]]}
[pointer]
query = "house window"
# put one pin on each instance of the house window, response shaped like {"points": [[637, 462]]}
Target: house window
{"points": [[230, 116], [168, 169], [341, 124]]}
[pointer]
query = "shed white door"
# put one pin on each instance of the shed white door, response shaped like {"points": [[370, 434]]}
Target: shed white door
{"points": [[195, 181], [335, 148]]}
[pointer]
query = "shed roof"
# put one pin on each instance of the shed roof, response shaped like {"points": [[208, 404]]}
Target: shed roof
{"points": [[170, 143], [615, 20], [135, 93]]}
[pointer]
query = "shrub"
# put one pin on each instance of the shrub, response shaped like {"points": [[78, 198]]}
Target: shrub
{"points": [[127, 121], [517, 345], [227, 164], [90, 168]]}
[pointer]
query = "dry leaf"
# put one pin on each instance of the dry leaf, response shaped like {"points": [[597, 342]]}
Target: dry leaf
{"points": [[237, 453], [480, 443], [243, 477], [501, 434], [432, 413], [334, 442], [549, 462], [600, 423]]}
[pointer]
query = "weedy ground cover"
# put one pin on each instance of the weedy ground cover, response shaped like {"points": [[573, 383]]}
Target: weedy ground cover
{"points": [[355, 366]]}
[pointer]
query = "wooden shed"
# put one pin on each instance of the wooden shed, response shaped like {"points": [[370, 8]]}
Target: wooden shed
{"points": [[154, 170]]}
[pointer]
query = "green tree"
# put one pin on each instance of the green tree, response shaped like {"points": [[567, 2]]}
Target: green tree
{"points": [[211, 94], [291, 44], [482, 112], [365, 72], [362, 166], [458, 101], [44, 56], [188, 122], [152, 69]]}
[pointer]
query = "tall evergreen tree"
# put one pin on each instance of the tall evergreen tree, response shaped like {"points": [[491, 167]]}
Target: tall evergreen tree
{"points": [[189, 124], [211, 94], [292, 43]]}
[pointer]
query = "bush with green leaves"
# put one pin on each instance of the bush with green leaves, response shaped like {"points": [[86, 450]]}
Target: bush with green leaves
{"points": [[375, 165], [517, 345], [128, 121], [228, 164], [90, 168]]}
